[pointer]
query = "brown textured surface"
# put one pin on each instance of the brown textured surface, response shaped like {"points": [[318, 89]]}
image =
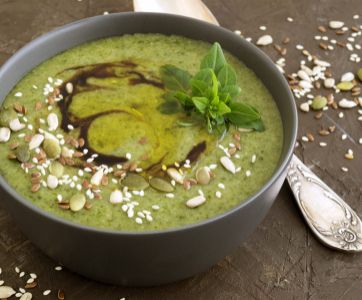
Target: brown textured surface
{"points": [[281, 260]]}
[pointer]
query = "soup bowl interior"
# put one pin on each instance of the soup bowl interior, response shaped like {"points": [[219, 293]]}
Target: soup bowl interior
{"points": [[155, 257]]}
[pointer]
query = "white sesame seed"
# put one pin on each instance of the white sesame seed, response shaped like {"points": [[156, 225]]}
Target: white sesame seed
{"points": [[85, 151], [237, 32], [138, 220], [358, 47], [345, 28], [89, 160], [149, 218], [30, 280], [35, 87], [305, 139], [330, 47], [47, 292], [220, 185], [114, 180], [58, 268], [187, 166], [201, 193], [119, 166], [350, 152], [59, 197], [155, 207], [350, 39], [138, 170], [18, 295], [299, 47], [50, 107], [238, 169], [128, 155], [128, 194], [221, 147], [355, 17], [124, 207], [22, 290], [79, 187], [360, 141], [213, 166], [130, 214], [253, 158], [248, 39], [325, 38], [22, 274], [177, 165], [289, 19], [248, 173], [344, 169], [70, 127], [1, 282], [21, 135], [333, 41], [218, 194], [91, 196], [340, 115], [141, 214], [170, 195], [17, 270], [32, 275], [80, 173], [136, 193], [317, 37], [231, 145], [18, 94], [349, 47], [262, 28], [322, 144], [173, 182]]}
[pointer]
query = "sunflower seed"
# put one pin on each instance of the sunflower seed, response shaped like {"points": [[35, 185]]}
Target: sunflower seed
{"points": [[197, 201], [175, 175], [53, 121], [6, 292], [97, 177], [347, 77], [228, 164], [15, 125], [305, 84], [336, 24], [69, 87], [347, 103], [26, 296], [303, 75]]}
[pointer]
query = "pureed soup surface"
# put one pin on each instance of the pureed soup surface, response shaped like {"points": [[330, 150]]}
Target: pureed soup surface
{"points": [[116, 90]]}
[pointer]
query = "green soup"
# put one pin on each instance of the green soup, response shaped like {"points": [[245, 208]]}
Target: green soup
{"points": [[111, 112]]}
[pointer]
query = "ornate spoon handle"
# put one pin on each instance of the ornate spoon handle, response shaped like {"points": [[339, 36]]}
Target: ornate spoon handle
{"points": [[330, 219]]}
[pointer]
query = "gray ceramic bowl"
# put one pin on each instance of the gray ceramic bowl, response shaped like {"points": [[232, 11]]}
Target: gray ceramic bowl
{"points": [[156, 257]]}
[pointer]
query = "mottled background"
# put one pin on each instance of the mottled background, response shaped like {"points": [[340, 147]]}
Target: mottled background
{"points": [[282, 259]]}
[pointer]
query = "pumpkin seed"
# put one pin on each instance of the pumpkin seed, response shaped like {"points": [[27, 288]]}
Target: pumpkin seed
{"points": [[51, 148], [6, 292], [4, 134], [134, 182], [161, 185], [175, 175], [202, 176], [6, 115], [197, 201], [345, 86], [36, 141], [56, 169], [359, 74], [77, 202], [319, 103], [228, 164], [22, 154], [26, 296], [116, 197]]}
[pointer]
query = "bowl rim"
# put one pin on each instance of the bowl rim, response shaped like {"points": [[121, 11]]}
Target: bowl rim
{"points": [[277, 172]]}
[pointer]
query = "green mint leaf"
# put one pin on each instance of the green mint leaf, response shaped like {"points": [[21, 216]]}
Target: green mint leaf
{"points": [[215, 101], [258, 125], [214, 59], [168, 108], [219, 119], [214, 84], [170, 96], [204, 75], [212, 113], [233, 90], [198, 87], [226, 76], [241, 113], [174, 78], [225, 97], [185, 100], [222, 109], [201, 103]]}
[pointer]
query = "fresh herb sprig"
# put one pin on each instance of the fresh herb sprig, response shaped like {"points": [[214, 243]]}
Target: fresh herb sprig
{"points": [[209, 92]]}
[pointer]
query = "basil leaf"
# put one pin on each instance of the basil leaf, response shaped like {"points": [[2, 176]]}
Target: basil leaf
{"points": [[215, 101], [223, 109], [233, 90], [170, 96], [227, 76], [198, 87], [212, 113], [201, 103], [174, 78], [204, 75], [241, 113], [225, 97], [185, 100], [168, 108], [214, 84], [258, 125], [214, 59]]}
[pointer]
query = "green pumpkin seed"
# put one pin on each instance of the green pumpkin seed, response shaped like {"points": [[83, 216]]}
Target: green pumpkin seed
{"points": [[77, 202], [6, 115], [51, 148], [319, 103], [56, 169], [22, 154], [161, 185], [202, 176], [345, 86], [359, 74], [134, 182]]}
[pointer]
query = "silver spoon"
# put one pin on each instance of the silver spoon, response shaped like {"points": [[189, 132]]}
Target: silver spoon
{"points": [[330, 219]]}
